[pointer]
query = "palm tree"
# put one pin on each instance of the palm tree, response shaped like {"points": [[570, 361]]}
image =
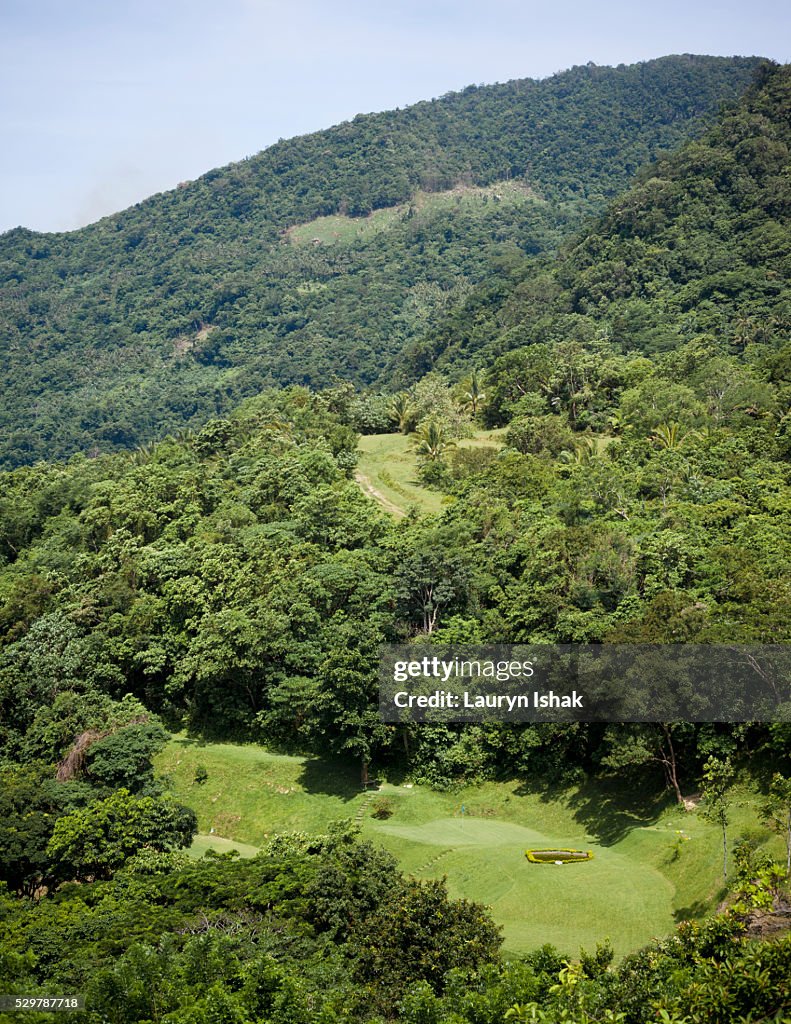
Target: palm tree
{"points": [[474, 394], [672, 435], [583, 454], [431, 441], [744, 330], [401, 410], [617, 423], [142, 453]]}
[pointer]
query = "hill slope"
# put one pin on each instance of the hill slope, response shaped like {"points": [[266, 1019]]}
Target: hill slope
{"points": [[172, 311], [699, 246]]}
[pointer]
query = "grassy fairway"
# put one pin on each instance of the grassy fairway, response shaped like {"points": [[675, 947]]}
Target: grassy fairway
{"points": [[387, 471], [251, 794], [644, 876], [203, 843]]}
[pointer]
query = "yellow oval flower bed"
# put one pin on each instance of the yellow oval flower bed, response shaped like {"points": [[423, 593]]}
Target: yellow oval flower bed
{"points": [[557, 856]]}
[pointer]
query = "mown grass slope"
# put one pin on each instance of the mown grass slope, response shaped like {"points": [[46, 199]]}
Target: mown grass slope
{"points": [[387, 470], [653, 863]]}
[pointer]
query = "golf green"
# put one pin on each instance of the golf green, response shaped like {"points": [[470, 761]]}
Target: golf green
{"points": [[612, 896]]}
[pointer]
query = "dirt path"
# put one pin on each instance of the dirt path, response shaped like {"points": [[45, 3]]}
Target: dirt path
{"points": [[372, 492]]}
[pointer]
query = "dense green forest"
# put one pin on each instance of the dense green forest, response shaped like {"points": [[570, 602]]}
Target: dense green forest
{"points": [[239, 583], [699, 248], [171, 312], [235, 582]]}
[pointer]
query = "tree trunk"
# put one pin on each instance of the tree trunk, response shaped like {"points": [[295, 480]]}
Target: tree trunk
{"points": [[670, 764], [724, 855]]}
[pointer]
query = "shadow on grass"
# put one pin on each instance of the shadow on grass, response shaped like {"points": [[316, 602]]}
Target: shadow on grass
{"points": [[338, 777], [607, 808], [331, 777], [694, 912]]}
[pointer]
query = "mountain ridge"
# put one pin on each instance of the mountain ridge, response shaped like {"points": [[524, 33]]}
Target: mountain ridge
{"points": [[698, 244], [91, 321], [518, 84]]}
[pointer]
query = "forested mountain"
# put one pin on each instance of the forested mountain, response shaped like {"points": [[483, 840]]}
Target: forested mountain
{"points": [[172, 311], [220, 577], [699, 248]]}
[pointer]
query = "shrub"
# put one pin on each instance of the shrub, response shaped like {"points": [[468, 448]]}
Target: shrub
{"points": [[540, 435], [553, 856], [382, 808]]}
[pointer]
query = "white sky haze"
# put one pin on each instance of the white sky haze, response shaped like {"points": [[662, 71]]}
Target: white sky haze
{"points": [[105, 103]]}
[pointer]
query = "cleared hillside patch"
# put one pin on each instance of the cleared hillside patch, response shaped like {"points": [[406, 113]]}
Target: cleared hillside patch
{"points": [[338, 229], [387, 471]]}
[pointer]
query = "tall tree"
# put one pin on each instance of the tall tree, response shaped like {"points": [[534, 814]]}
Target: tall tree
{"points": [[474, 394], [777, 812], [718, 776], [432, 441]]}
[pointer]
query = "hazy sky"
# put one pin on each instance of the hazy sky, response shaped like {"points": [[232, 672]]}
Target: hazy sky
{"points": [[106, 101]]}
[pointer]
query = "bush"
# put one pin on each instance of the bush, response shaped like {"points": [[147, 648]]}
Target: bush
{"points": [[467, 462], [537, 435], [124, 758], [382, 808], [553, 856]]}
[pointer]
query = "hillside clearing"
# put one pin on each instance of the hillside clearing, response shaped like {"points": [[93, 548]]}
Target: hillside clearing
{"points": [[387, 471], [339, 229], [653, 865]]}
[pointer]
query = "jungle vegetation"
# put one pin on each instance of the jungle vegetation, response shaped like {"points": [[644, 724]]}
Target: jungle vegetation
{"points": [[171, 312], [223, 573]]}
